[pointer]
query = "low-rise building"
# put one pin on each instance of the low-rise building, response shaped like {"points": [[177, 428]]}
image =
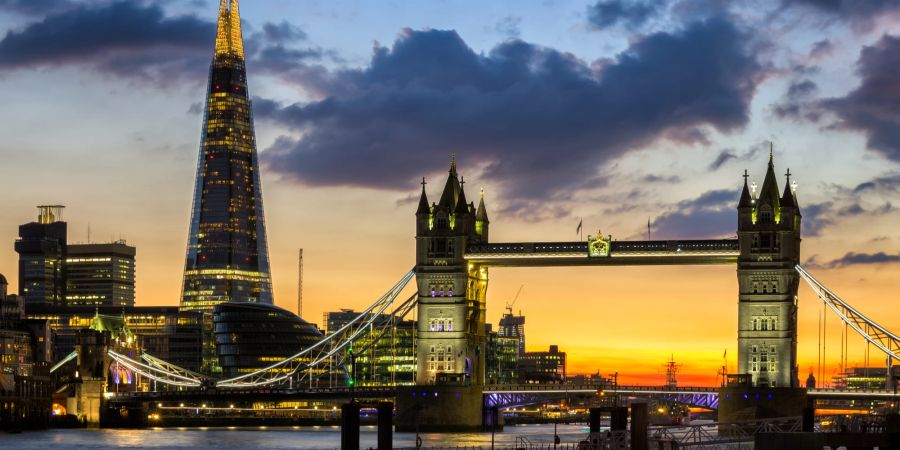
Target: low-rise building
{"points": [[543, 367]]}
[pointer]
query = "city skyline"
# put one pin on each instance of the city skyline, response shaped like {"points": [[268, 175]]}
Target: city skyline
{"points": [[677, 168]]}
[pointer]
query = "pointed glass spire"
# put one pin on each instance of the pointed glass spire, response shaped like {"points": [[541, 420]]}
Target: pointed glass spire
{"points": [[228, 31], [227, 256]]}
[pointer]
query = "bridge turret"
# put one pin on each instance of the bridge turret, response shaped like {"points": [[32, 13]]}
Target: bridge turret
{"points": [[769, 237], [423, 213], [481, 220]]}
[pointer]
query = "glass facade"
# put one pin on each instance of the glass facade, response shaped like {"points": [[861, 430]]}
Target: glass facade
{"points": [[251, 336], [227, 258]]}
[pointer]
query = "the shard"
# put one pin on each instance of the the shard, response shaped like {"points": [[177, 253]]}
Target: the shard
{"points": [[227, 257]]}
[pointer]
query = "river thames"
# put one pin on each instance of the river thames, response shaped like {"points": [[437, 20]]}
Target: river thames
{"points": [[269, 438]]}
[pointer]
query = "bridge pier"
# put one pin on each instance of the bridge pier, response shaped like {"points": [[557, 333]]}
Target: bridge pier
{"points": [[350, 426], [439, 408]]}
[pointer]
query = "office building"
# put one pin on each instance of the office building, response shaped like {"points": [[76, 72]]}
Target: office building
{"points": [[384, 354], [513, 326], [502, 357], [42, 252], [252, 336], [100, 274], [543, 367], [165, 332]]}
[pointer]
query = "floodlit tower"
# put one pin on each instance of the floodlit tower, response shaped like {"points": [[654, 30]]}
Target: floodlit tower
{"points": [[769, 237], [227, 257]]}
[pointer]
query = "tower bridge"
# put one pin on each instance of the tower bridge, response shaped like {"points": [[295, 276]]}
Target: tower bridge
{"points": [[453, 257]]}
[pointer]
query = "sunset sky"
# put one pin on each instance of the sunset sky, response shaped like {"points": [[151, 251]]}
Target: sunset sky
{"points": [[612, 111]]}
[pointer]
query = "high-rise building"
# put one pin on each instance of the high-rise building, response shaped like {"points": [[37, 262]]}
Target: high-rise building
{"points": [[100, 274], [502, 357], [42, 251], [227, 259], [513, 326]]}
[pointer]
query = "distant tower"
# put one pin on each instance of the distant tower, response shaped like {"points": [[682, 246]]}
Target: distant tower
{"points": [[227, 258], [42, 254], [769, 236], [451, 309]]}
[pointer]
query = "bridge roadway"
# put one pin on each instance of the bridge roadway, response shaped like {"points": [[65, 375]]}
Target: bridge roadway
{"points": [[620, 253], [532, 390]]}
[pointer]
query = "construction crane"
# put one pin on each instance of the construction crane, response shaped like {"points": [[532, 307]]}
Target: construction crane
{"points": [[509, 305]]}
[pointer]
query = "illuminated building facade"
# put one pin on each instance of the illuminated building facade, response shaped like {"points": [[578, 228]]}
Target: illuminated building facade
{"points": [[227, 258], [769, 240], [162, 331], [502, 357], [25, 358], [42, 252], [391, 360], [451, 299], [252, 336], [100, 274], [513, 326], [543, 367]]}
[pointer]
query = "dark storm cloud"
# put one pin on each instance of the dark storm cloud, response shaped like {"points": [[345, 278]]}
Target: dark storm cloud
{"points": [[711, 215], [727, 155], [137, 40], [35, 7], [606, 13], [118, 38], [860, 11], [540, 122], [872, 107]]}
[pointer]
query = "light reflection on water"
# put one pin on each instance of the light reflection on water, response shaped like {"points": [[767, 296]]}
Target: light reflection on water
{"points": [[270, 438]]}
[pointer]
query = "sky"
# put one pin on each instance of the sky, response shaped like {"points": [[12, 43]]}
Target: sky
{"points": [[612, 112]]}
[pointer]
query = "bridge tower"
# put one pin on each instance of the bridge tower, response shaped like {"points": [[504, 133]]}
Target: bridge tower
{"points": [[769, 239], [451, 303], [450, 350]]}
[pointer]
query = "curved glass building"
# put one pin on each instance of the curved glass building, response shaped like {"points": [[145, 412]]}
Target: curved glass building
{"points": [[251, 336]]}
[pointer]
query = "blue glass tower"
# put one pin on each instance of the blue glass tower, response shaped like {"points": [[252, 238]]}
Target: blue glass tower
{"points": [[227, 257]]}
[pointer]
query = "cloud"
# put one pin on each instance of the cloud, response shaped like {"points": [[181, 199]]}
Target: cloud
{"points": [[855, 259], [139, 41], [727, 155], [710, 215], [872, 107], [535, 121], [885, 184], [509, 26], [858, 12], [798, 102], [35, 7], [117, 38], [606, 13], [283, 32], [821, 49]]}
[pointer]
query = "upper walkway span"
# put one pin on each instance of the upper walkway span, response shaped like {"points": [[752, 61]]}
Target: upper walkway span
{"points": [[604, 253]]}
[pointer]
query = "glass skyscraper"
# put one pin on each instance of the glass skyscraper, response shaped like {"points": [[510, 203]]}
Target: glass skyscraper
{"points": [[227, 258]]}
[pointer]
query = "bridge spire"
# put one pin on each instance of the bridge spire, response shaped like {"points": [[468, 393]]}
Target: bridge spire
{"points": [[423, 201], [788, 199], [746, 199]]}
